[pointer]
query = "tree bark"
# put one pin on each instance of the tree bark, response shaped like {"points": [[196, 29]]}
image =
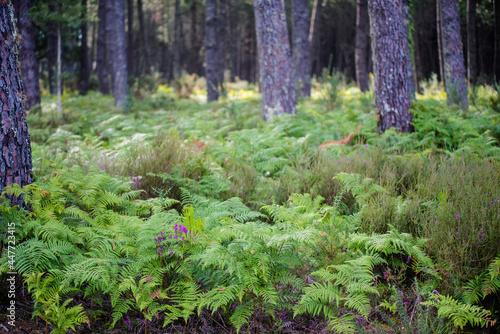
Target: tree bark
{"points": [[233, 43], [102, 53], [15, 157], [496, 71], [314, 37], [130, 37], [52, 50], [58, 73], [439, 42], [362, 45], [390, 65], [145, 44], [177, 40], [408, 49], [84, 56], [211, 51], [471, 43], [301, 48], [29, 62], [275, 63], [453, 58], [221, 42]]}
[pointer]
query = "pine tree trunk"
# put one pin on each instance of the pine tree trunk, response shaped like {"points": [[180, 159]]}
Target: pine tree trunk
{"points": [[453, 58], [221, 42], [314, 37], [408, 50], [130, 37], [362, 44], [15, 158], [58, 73], [84, 56], [496, 71], [29, 62], [145, 44], [390, 65], [301, 48], [177, 40], [471, 42], [440, 42], [211, 51], [52, 50], [275, 63], [102, 53], [117, 49], [233, 43]]}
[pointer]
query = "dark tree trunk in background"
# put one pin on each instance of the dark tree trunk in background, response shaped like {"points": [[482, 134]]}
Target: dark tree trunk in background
{"points": [[221, 42], [390, 65], [453, 58], [15, 161], [409, 60], [144, 38], [29, 63], [102, 58], [196, 41], [362, 44], [130, 37], [496, 4], [471, 42], [177, 40], [275, 61], [117, 49], [52, 50], [314, 37], [440, 42], [84, 56], [233, 43], [301, 48], [211, 51]]}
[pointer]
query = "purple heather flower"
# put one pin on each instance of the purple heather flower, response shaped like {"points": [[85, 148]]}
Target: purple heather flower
{"points": [[224, 175], [101, 167], [366, 146], [171, 253], [176, 227]]}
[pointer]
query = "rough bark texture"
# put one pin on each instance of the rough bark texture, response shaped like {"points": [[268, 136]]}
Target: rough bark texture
{"points": [[233, 43], [15, 158], [130, 37], [439, 42], [211, 51], [301, 48], [117, 49], [275, 61], [102, 59], [409, 60], [144, 39], [471, 42], [29, 63], [84, 56], [221, 42], [390, 65], [496, 4], [362, 45], [453, 58], [314, 37], [177, 40]]}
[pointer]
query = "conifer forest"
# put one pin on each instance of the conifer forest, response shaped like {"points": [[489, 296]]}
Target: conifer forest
{"points": [[250, 166]]}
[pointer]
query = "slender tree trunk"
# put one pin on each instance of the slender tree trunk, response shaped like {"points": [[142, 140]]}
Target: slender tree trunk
{"points": [[362, 45], [84, 56], [145, 44], [15, 157], [408, 49], [440, 42], [314, 37], [221, 42], [58, 78], [117, 50], [177, 40], [211, 51], [390, 65], [471, 42], [453, 58], [29, 62], [102, 53], [233, 43], [496, 71], [130, 36], [301, 48], [275, 61], [194, 36], [52, 50]]}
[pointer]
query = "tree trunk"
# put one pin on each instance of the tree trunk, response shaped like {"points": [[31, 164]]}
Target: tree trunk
{"points": [[84, 56], [221, 42], [408, 49], [52, 49], [233, 43], [117, 50], [314, 37], [390, 65], [453, 58], [439, 42], [177, 40], [362, 44], [496, 4], [211, 51], [29, 62], [58, 78], [471, 43], [102, 58], [275, 63], [15, 158], [301, 48], [145, 44], [130, 37]]}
